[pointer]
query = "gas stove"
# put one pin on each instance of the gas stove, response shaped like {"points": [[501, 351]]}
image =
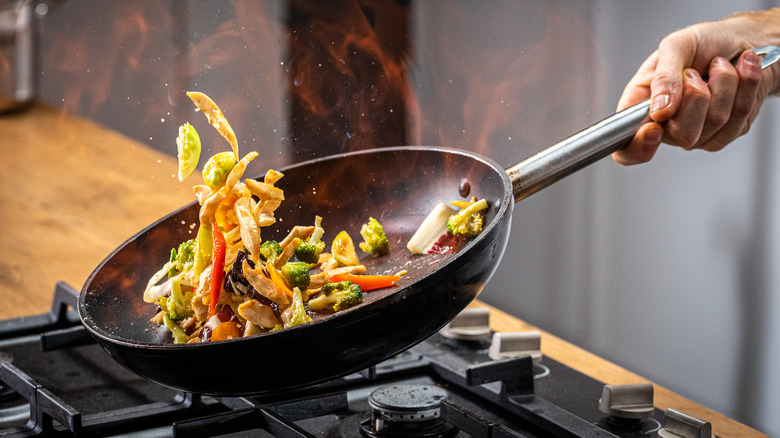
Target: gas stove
{"points": [[464, 381]]}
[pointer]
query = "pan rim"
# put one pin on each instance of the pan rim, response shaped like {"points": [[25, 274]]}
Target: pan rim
{"points": [[506, 202]]}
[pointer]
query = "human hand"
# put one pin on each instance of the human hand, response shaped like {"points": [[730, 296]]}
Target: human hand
{"points": [[688, 110]]}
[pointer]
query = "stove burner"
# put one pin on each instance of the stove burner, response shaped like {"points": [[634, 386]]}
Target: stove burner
{"points": [[407, 410], [14, 409]]}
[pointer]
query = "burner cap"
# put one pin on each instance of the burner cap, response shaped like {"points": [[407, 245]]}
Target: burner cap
{"points": [[407, 410], [408, 403]]}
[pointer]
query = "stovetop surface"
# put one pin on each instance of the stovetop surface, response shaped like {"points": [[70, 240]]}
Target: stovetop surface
{"points": [[79, 390], [95, 386]]}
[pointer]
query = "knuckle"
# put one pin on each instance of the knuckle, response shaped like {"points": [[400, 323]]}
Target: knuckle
{"points": [[717, 118], [697, 94], [742, 110], [685, 138]]}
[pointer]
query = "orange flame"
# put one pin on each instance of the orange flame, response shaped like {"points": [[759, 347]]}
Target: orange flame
{"points": [[304, 79]]}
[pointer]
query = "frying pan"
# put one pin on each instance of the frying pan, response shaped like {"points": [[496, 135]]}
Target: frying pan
{"points": [[398, 186]]}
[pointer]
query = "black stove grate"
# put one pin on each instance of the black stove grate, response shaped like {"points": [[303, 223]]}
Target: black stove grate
{"points": [[52, 368]]}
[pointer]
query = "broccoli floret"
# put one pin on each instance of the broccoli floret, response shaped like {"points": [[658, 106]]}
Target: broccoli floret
{"points": [[179, 335], [310, 250], [296, 274], [337, 296], [374, 238], [468, 222], [298, 310], [177, 305], [183, 257], [269, 251]]}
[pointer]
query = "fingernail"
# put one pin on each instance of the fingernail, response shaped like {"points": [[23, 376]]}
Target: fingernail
{"points": [[692, 74], [722, 61], [660, 102], [752, 59], [653, 137]]}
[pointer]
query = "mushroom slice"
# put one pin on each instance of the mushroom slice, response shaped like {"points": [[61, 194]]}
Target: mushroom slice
{"points": [[215, 117], [354, 269], [300, 232], [318, 280], [263, 285], [238, 170], [287, 253], [264, 191], [250, 232], [258, 314]]}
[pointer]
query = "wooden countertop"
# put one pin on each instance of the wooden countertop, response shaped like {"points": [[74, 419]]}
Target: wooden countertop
{"points": [[72, 191]]}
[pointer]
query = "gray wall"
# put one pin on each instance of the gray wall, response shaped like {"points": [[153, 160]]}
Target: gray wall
{"points": [[667, 268]]}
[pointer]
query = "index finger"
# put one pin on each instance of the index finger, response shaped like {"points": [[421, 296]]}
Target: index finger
{"points": [[675, 53]]}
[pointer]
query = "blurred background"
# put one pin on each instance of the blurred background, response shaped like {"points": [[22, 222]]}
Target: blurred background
{"points": [[668, 269]]}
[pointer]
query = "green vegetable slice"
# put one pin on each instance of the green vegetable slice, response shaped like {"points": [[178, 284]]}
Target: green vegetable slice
{"points": [[343, 250], [217, 169], [188, 146]]}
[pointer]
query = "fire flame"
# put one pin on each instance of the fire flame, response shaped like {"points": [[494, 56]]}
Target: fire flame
{"points": [[303, 79]]}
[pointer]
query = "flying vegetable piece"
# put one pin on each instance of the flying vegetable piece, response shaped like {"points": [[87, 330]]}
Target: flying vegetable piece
{"points": [[468, 222], [217, 168], [215, 117], [310, 250], [343, 250], [269, 251], [374, 238], [296, 274], [188, 148], [337, 297]]}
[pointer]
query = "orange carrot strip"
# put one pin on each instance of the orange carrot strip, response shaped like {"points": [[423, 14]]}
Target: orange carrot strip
{"points": [[367, 282], [276, 277]]}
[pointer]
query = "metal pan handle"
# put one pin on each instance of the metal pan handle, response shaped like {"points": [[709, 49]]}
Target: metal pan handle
{"points": [[591, 144]]}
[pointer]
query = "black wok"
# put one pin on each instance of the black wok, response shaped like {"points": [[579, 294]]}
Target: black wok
{"points": [[398, 186]]}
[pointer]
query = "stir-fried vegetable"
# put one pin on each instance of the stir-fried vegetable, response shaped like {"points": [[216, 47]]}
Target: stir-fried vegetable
{"points": [[183, 257], [269, 251], [228, 282], [226, 330], [217, 168], [296, 313], [188, 145], [374, 238], [337, 296], [310, 250], [296, 274], [343, 250], [367, 282], [215, 117], [218, 268], [444, 229], [468, 222]]}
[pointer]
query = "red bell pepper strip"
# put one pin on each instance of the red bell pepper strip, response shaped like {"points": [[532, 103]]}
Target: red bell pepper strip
{"points": [[217, 267], [367, 282]]}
